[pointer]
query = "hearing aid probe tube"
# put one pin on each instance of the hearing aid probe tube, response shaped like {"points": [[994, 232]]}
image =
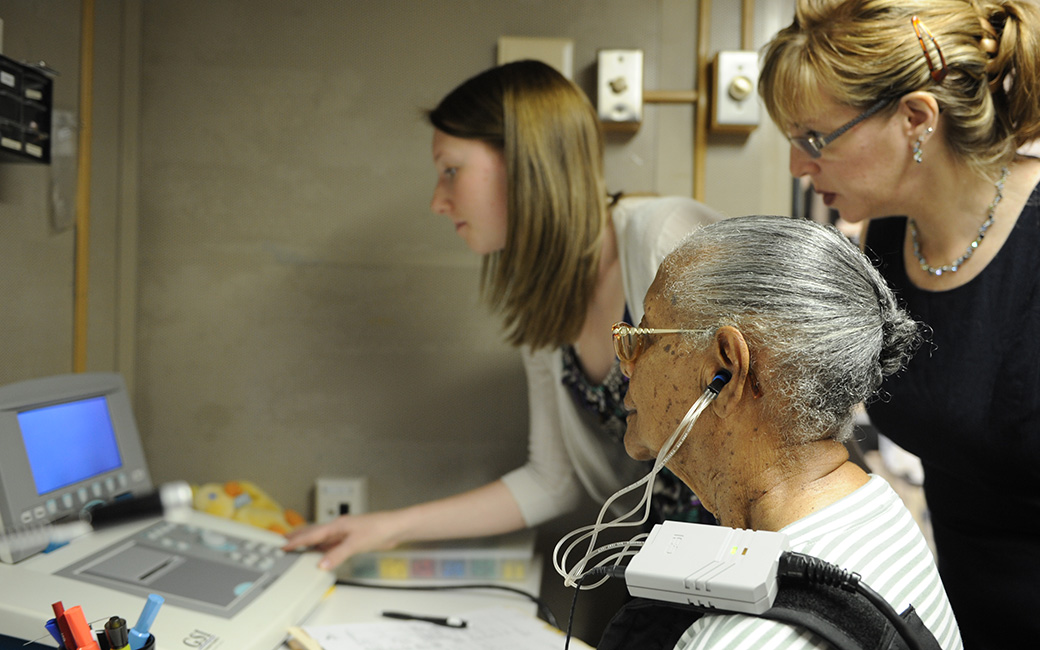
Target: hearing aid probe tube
{"points": [[592, 532]]}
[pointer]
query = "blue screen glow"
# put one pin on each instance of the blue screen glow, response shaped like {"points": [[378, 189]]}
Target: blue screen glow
{"points": [[67, 443]]}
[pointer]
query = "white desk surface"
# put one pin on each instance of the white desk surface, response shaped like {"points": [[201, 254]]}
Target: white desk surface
{"points": [[350, 604]]}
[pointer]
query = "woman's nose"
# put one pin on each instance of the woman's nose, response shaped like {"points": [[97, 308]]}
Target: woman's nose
{"points": [[801, 163], [439, 204]]}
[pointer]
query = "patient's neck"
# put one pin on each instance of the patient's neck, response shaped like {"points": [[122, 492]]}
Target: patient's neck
{"points": [[802, 480]]}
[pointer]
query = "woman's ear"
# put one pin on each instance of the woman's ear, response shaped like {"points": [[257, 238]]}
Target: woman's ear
{"points": [[729, 352], [920, 113]]}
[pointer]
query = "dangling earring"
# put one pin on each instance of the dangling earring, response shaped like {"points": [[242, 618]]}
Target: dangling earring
{"points": [[918, 153]]}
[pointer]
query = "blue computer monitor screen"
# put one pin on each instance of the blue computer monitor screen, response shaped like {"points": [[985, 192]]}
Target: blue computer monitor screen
{"points": [[70, 442]]}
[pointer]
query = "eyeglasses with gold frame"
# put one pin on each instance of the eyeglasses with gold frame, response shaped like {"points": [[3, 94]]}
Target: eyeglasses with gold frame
{"points": [[630, 341]]}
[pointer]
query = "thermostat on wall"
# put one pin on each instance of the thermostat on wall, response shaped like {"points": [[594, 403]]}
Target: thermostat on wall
{"points": [[734, 98]]}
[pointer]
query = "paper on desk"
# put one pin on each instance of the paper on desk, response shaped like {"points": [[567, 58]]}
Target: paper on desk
{"points": [[498, 627]]}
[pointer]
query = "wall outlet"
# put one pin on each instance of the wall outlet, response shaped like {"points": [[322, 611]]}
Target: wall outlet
{"points": [[339, 496]]}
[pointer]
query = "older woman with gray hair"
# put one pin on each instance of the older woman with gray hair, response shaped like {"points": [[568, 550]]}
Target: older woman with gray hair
{"points": [[807, 329]]}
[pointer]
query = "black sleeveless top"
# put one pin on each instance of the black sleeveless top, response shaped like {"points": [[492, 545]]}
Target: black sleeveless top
{"points": [[968, 404]]}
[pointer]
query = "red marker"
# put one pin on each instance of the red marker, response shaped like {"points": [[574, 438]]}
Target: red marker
{"points": [[63, 625], [83, 637]]}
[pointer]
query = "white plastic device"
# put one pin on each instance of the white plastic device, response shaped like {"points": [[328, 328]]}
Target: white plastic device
{"points": [[710, 566], [70, 451]]}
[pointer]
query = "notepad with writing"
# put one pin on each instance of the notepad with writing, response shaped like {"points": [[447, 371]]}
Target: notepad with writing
{"points": [[497, 627]]}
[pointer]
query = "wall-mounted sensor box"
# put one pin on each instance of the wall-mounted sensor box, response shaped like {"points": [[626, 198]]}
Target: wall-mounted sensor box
{"points": [[734, 93], [619, 89], [26, 98]]}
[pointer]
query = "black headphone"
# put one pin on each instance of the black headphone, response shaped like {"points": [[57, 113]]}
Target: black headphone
{"points": [[721, 378]]}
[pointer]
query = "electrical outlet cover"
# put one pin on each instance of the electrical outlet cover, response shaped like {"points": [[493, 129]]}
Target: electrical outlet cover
{"points": [[339, 496]]}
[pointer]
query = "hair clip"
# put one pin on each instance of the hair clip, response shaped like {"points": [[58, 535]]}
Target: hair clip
{"points": [[937, 75]]}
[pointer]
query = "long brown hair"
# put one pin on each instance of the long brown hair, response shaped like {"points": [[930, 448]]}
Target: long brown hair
{"points": [[544, 278]]}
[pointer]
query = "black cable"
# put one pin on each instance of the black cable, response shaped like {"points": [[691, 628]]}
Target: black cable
{"points": [[613, 571], [816, 571], [570, 618], [890, 613], [543, 609]]}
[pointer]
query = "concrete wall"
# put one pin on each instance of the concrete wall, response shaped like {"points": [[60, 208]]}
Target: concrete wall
{"points": [[37, 240], [265, 270], [301, 312]]}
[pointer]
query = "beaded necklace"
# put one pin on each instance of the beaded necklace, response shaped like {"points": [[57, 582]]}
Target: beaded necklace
{"points": [[954, 266]]}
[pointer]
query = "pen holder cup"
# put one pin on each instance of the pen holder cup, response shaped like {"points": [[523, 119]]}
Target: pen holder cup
{"points": [[150, 643]]}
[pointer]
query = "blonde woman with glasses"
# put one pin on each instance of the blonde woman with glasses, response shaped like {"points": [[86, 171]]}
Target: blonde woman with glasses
{"points": [[912, 116], [519, 158]]}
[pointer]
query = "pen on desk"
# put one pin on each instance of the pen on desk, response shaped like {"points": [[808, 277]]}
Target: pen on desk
{"points": [[117, 634], [140, 632], [55, 631], [450, 621]]}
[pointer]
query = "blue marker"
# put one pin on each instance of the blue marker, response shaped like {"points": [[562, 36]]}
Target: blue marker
{"points": [[52, 627], [139, 633]]}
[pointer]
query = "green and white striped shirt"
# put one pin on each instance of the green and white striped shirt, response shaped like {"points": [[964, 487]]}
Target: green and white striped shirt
{"points": [[870, 532]]}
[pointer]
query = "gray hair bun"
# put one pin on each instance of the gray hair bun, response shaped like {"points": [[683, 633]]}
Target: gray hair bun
{"points": [[823, 326]]}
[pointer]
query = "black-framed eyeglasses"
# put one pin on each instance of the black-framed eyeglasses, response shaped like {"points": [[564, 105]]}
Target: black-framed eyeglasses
{"points": [[814, 143], [629, 341]]}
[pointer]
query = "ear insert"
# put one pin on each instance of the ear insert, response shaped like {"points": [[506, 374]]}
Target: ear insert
{"points": [[721, 378]]}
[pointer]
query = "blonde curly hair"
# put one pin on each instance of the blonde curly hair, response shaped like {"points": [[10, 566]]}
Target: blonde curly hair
{"points": [[860, 51]]}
